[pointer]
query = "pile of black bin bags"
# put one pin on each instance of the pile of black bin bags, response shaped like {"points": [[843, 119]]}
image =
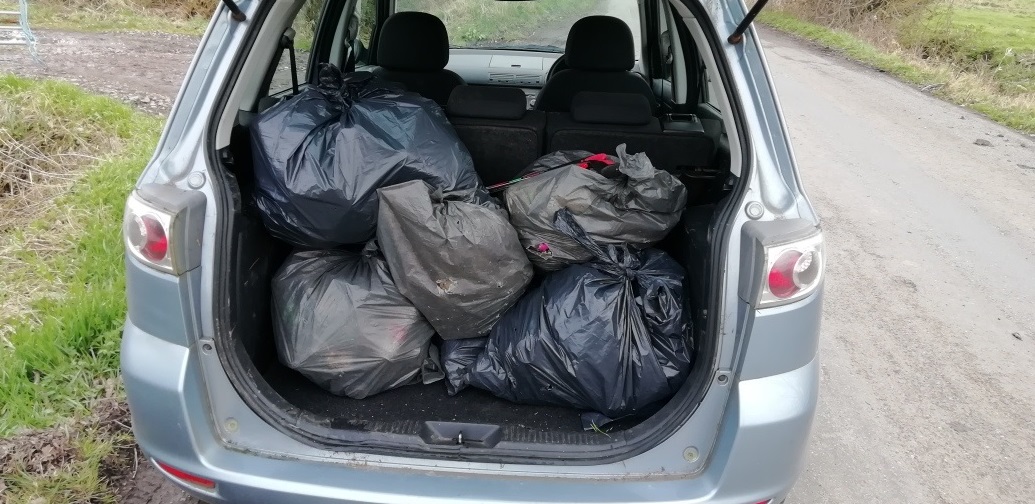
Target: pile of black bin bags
{"points": [[397, 240]]}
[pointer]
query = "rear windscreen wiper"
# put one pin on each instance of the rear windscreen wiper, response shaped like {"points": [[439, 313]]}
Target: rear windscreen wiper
{"points": [[738, 35], [235, 12]]}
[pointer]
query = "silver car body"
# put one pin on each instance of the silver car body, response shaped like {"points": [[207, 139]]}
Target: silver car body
{"points": [[744, 444]]}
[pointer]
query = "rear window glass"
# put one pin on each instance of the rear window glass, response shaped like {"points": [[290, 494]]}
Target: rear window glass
{"points": [[540, 25]]}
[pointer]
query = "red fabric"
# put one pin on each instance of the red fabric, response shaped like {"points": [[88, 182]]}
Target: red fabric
{"points": [[596, 162]]}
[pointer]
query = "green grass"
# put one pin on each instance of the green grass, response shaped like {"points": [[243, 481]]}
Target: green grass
{"points": [[53, 359], [486, 21], [59, 15], [851, 46], [65, 264], [1018, 6], [970, 35], [1001, 86], [998, 43], [993, 30]]}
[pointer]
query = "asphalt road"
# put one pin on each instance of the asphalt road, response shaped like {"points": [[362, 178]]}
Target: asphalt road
{"points": [[928, 340], [928, 343]]}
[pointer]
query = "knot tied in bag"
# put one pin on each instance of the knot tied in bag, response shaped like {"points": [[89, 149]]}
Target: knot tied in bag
{"points": [[319, 157], [348, 88], [620, 199]]}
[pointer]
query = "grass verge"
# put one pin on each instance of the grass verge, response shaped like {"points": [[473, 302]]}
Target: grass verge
{"points": [[471, 22], [62, 269], [979, 87]]}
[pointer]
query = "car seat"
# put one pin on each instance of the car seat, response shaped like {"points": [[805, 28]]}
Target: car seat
{"points": [[413, 50], [599, 55]]}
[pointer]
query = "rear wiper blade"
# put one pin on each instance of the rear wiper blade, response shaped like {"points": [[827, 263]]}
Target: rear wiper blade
{"points": [[235, 12], [738, 35]]}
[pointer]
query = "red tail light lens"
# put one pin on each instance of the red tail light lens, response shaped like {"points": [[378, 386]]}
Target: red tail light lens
{"points": [[794, 271], [163, 227], [147, 234], [781, 275]]}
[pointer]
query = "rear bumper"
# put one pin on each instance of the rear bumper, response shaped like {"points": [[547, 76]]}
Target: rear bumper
{"points": [[758, 455]]}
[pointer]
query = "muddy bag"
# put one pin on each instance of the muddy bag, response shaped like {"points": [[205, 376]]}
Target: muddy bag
{"points": [[636, 204], [339, 320], [458, 261], [610, 336], [320, 157]]}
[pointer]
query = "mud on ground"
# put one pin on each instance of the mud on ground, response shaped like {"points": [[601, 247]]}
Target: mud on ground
{"points": [[142, 69], [46, 452]]}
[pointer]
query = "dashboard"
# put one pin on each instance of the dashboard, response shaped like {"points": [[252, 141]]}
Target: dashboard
{"points": [[503, 67]]}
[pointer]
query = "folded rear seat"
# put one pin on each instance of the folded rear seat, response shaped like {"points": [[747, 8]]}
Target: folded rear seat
{"points": [[599, 122], [501, 134]]}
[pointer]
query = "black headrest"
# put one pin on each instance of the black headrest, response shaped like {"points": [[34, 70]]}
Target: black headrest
{"points": [[600, 43], [487, 102], [413, 41], [611, 108]]}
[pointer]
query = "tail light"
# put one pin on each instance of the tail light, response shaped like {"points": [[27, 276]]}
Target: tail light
{"points": [[147, 235], [792, 270], [162, 227], [782, 261]]}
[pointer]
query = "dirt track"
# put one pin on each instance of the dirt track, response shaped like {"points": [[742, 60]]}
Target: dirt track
{"points": [[929, 335], [142, 69]]}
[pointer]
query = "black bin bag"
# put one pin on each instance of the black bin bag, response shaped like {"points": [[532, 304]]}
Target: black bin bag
{"points": [[320, 157], [457, 356], [458, 261], [339, 320], [610, 336], [636, 204]]}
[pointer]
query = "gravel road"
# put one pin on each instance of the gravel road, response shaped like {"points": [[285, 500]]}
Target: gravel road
{"points": [[928, 344], [142, 69], [928, 341]]}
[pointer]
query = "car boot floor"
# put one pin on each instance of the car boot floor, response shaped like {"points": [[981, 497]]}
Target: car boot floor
{"points": [[421, 403]]}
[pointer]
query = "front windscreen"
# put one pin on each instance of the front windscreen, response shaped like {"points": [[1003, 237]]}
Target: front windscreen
{"points": [[532, 25]]}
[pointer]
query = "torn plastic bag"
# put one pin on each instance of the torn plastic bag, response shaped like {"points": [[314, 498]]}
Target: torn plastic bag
{"points": [[340, 321], [458, 261], [603, 163], [457, 356], [637, 206], [606, 164], [320, 157], [431, 371], [610, 336]]}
